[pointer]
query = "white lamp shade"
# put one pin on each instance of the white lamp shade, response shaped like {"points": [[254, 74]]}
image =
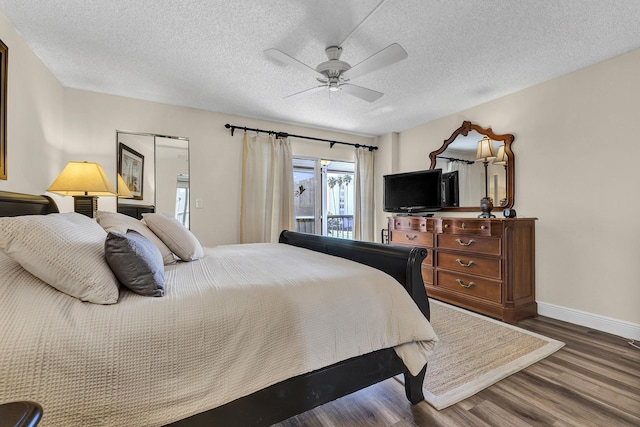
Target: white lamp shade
{"points": [[82, 179], [501, 157], [123, 190], [485, 150]]}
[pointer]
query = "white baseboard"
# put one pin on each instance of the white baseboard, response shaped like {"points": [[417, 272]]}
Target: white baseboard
{"points": [[594, 321]]}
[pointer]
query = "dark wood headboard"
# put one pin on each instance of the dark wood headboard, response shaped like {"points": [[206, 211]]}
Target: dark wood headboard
{"points": [[15, 204]]}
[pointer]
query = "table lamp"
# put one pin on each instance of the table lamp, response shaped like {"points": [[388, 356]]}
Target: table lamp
{"points": [[85, 181], [484, 154]]}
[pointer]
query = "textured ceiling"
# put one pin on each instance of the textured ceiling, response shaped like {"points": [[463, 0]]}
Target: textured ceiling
{"points": [[208, 54]]}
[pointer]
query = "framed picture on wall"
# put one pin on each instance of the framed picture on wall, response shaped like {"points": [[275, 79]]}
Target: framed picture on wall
{"points": [[131, 168], [4, 53]]}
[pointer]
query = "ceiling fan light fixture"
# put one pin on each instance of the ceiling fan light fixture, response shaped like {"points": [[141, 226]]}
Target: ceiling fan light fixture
{"points": [[334, 84]]}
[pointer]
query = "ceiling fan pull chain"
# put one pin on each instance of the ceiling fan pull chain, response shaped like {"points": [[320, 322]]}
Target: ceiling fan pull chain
{"points": [[362, 22]]}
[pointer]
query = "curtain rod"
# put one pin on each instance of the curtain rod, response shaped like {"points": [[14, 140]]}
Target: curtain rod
{"points": [[286, 135], [453, 159]]}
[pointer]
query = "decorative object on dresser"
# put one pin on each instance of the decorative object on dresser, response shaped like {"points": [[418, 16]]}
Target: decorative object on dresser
{"points": [[85, 181], [459, 153], [483, 264]]}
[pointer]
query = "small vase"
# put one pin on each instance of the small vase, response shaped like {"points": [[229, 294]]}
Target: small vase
{"points": [[486, 204]]}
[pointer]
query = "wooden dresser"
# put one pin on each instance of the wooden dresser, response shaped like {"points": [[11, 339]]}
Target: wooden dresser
{"points": [[484, 265]]}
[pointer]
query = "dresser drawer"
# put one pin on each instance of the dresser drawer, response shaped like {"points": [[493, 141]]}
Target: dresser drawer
{"points": [[477, 244], [470, 285], [409, 223], [470, 264], [428, 261], [477, 227], [427, 274], [412, 238]]}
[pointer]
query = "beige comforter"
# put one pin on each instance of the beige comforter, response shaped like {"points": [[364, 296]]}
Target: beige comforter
{"points": [[241, 319]]}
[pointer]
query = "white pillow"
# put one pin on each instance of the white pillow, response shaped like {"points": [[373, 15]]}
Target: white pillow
{"points": [[175, 235], [64, 250], [120, 223]]}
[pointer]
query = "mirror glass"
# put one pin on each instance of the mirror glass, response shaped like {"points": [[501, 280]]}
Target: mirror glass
{"points": [[155, 170], [461, 172]]}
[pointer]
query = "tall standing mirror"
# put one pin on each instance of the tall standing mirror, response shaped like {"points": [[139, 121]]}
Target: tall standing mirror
{"points": [[465, 179], [155, 171]]}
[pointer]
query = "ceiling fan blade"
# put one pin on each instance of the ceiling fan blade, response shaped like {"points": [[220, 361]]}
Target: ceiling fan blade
{"points": [[289, 60], [387, 56], [361, 92], [307, 91]]}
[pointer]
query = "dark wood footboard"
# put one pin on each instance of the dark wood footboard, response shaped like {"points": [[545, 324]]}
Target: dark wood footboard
{"points": [[401, 263]]}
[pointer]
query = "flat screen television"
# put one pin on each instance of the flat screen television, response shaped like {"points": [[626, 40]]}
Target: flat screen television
{"points": [[413, 192], [450, 189]]}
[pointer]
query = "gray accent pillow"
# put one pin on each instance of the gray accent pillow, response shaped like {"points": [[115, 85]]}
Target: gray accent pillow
{"points": [[136, 262]]}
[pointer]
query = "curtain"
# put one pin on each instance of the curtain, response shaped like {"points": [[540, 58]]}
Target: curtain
{"points": [[464, 183], [363, 182], [267, 189]]}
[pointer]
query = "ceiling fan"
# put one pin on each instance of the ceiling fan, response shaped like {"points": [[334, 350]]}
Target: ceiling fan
{"points": [[336, 75]]}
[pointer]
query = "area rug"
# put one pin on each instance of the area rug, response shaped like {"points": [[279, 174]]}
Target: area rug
{"points": [[475, 352]]}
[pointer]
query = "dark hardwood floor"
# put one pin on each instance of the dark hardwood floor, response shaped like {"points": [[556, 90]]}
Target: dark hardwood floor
{"points": [[594, 380]]}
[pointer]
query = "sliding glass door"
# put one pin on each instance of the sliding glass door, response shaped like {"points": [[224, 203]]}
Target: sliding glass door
{"points": [[324, 197]]}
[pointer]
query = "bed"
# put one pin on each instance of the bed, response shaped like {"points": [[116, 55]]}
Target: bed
{"points": [[156, 361]]}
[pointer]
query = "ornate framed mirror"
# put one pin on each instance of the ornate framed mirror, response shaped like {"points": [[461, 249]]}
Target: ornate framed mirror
{"points": [[457, 159]]}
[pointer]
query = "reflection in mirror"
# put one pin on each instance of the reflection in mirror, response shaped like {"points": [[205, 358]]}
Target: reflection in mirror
{"points": [[172, 178], [165, 175], [461, 170]]}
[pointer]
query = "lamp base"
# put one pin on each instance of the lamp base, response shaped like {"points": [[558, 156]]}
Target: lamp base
{"points": [[85, 205], [486, 204]]}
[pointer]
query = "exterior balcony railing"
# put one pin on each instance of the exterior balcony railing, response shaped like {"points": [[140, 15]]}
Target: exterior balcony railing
{"points": [[340, 226]]}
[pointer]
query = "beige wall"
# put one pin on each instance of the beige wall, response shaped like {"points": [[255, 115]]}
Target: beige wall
{"points": [[34, 118], [576, 151]]}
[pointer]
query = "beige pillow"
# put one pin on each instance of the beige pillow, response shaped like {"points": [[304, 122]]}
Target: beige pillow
{"points": [[175, 235], [120, 223], [64, 250]]}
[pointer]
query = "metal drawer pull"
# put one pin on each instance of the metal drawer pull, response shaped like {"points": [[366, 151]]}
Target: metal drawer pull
{"points": [[464, 225], [465, 244], [469, 264], [463, 285], [411, 237]]}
